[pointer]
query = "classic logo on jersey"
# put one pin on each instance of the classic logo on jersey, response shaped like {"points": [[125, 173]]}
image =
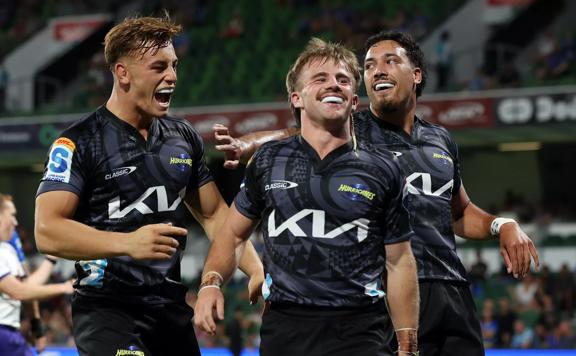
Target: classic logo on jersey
{"points": [[396, 153], [356, 191], [60, 160], [280, 184], [426, 187], [131, 350], [318, 226], [181, 161], [119, 172], [162, 204], [443, 156]]}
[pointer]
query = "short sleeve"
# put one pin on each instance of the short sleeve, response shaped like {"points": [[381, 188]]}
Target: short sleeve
{"points": [[396, 219], [250, 199], [64, 167]]}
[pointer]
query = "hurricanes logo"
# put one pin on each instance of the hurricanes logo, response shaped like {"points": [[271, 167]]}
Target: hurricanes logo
{"points": [[442, 156], [132, 351], [181, 161], [356, 191]]}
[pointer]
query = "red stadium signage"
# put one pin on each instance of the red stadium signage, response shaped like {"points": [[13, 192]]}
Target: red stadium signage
{"points": [[74, 28], [457, 114]]}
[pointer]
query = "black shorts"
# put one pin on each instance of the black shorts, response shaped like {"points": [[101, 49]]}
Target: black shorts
{"points": [[108, 328], [448, 321], [292, 330]]}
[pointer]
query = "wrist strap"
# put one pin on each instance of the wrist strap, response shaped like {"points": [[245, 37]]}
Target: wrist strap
{"points": [[51, 260], [496, 225]]}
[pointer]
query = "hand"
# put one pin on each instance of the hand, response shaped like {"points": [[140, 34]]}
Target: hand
{"points": [[68, 287], [255, 287], [154, 242], [40, 344], [209, 306], [516, 248], [233, 148]]}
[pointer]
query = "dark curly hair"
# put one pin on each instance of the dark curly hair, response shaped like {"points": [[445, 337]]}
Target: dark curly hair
{"points": [[413, 51]]}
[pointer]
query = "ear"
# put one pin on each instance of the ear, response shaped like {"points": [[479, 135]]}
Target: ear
{"points": [[296, 100], [355, 101], [417, 75], [121, 73]]}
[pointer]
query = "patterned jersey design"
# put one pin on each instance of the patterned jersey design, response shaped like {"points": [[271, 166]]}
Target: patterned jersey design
{"points": [[125, 182], [429, 160], [325, 222]]}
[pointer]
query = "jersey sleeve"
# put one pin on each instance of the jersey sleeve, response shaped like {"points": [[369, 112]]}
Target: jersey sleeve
{"points": [[250, 199], [453, 147], [64, 167], [200, 171], [395, 219]]}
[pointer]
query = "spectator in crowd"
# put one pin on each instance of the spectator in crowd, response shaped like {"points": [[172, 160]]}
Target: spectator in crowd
{"points": [[522, 337], [506, 318]]}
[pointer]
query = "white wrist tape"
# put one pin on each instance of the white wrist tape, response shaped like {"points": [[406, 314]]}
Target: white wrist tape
{"points": [[497, 224]]}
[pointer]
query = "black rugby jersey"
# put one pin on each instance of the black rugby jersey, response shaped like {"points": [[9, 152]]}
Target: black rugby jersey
{"points": [[429, 161], [125, 182], [324, 222]]}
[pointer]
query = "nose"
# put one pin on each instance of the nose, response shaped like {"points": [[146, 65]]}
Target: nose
{"points": [[380, 69], [171, 77]]}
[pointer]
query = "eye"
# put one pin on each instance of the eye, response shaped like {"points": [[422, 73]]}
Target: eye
{"points": [[368, 66], [344, 80]]}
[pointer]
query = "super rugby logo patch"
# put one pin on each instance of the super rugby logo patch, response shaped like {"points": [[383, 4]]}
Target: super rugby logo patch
{"points": [[60, 160]]}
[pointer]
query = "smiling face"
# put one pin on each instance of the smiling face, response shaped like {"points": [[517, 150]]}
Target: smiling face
{"points": [[325, 91], [149, 80], [390, 77]]}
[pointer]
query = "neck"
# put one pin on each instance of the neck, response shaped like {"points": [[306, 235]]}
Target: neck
{"points": [[124, 109], [325, 137], [402, 117]]}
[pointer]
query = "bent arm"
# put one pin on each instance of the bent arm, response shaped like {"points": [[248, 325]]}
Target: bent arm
{"points": [[210, 210], [42, 274], [516, 248], [241, 149], [23, 291], [59, 235], [403, 295]]}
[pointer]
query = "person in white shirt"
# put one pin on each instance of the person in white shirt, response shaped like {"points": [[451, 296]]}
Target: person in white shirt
{"points": [[15, 287]]}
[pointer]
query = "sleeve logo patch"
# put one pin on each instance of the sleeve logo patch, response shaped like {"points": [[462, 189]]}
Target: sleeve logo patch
{"points": [[60, 161]]}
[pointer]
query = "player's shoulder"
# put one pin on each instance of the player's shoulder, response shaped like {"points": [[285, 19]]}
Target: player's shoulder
{"points": [[179, 125], [268, 150], [433, 129], [86, 126]]}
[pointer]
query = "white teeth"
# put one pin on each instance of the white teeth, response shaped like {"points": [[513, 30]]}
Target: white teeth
{"points": [[332, 99], [165, 91], [381, 86]]}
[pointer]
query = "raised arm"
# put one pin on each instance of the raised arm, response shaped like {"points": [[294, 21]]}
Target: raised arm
{"points": [[219, 267], [471, 222], [403, 297], [240, 149], [59, 235]]}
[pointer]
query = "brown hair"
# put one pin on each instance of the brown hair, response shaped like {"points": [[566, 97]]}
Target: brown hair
{"points": [[138, 35], [318, 49], [4, 198]]}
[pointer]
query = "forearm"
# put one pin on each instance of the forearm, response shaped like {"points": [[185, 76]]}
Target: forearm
{"points": [[250, 262], [252, 141], [72, 240], [474, 224], [30, 292], [402, 292], [42, 274], [222, 257]]}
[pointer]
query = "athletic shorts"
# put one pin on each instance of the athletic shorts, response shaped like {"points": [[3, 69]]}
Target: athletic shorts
{"points": [[295, 330], [449, 325], [12, 342], [109, 328]]}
